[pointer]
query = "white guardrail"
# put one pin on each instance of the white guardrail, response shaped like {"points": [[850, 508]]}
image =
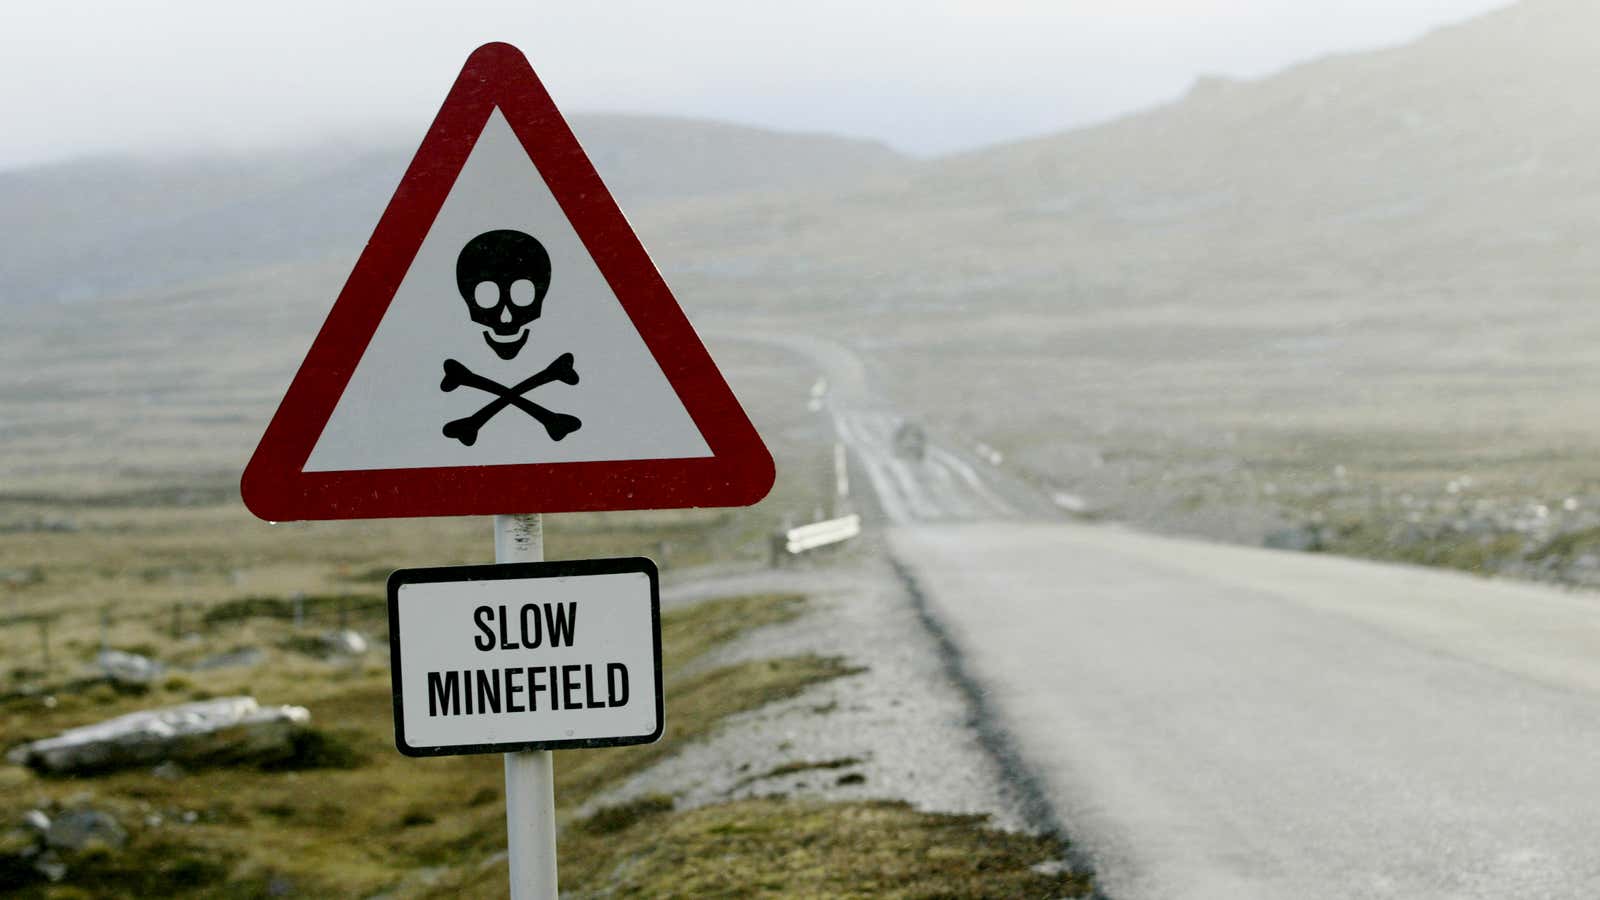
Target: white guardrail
{"points": [[820, 534]]}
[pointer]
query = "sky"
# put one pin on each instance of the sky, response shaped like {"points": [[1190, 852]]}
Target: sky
{"points": [[925, 76]]}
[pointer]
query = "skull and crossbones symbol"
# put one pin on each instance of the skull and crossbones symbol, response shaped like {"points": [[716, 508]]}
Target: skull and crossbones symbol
{"points": [[503, 276]]}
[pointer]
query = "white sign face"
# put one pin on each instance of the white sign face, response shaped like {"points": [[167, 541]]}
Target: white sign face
{"points": [[525, 656], [503, 292]]}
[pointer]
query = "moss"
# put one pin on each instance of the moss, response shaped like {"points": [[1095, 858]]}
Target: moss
{"points": [[1467, 552], [785, 848], [345, 814], [417, 817], [164, 868], [316, 748], [612, 819], [1569, 546], [315, 607]]}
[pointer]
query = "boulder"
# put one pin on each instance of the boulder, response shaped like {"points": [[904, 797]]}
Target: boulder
{"points": [[77, 829], [225, 731], [36, 820], [1301, 539], [44, 845], [128, 668], [344, 642]]}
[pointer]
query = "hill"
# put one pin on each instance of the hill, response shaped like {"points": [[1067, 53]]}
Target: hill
{"points": [[103, 227], [1469, 149], [1380, 264]]}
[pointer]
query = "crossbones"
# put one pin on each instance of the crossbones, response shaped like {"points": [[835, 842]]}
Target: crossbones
{"points": [[557, 425]]}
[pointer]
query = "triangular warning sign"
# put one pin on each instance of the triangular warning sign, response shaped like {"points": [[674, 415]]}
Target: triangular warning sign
{"points": [[504, 345]]}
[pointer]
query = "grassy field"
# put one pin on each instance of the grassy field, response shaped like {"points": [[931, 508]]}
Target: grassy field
{"points": [[348, 816], [129, 534]]}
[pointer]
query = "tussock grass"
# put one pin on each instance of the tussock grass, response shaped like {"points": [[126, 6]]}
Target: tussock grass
{"points": [[347, 815], [773, 847]]}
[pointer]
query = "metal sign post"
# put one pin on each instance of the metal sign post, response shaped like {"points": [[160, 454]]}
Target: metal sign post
{"points": [[530, 774], [522, 658]]}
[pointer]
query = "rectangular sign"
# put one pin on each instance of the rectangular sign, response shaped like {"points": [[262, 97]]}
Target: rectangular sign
{"points": [[525, 656]]}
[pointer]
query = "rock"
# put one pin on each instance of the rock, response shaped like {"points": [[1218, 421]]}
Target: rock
{"points": [[128, 668], [78, 829], [344, 643], [241, 658], [36, 820], [168, 771], [225, 731], [51, 867], [1074, 504], [1301, 539]]}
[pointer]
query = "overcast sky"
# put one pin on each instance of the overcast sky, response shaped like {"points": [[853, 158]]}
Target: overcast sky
{"points": [[928, 76]]}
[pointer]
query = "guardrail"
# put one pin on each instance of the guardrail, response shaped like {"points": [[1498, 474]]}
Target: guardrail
{"points": [[817, 534]]}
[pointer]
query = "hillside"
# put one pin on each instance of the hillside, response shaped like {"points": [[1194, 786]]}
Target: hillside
{"points": [[1469, 149], [1379, 264], [105, 227]]}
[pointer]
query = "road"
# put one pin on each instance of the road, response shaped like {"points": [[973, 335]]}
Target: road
{"points": [[1213, 721], [1227, 722]]}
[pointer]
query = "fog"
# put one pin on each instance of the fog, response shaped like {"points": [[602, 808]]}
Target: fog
{"points": [[1199, 502], [925, 77]]}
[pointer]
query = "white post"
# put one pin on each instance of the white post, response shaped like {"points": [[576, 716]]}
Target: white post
{"points": [[530, 776], [841, 480]]}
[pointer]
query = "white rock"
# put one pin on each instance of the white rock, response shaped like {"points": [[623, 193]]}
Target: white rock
{"points": [[211, 731], [128, 668], [345, 643]]}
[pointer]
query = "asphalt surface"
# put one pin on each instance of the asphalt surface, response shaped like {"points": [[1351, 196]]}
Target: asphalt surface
{"points": [[1212, 721], [1227, 722]]}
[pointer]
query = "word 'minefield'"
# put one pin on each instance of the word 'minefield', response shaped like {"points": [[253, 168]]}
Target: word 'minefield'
{"points": [[516, 689]]}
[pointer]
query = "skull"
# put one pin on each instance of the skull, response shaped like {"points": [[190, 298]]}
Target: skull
{"points": [[503, 275]]}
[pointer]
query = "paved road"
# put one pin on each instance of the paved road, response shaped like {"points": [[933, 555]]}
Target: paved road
{"points": [[1213, 721], [947, 484], [1227, 722]]}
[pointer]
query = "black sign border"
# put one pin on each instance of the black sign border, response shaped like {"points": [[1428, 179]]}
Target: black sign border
{"points": [[565, 568]]}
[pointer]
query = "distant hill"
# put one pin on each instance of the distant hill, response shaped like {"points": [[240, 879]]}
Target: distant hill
{"points": [[1472, 150], [100, 227], [1472, 146]]}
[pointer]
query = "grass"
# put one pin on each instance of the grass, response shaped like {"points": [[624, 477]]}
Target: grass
{"points": [[1479, 554], [347, 816], [775, 847], [346, 812], [155, 550]]}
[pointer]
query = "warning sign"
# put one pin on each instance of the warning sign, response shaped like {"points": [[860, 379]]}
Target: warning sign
{"points": [[525, 656], [504, 344]]}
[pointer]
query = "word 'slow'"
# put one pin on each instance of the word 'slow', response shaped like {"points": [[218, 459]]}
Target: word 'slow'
{"points": [[530, 630]]}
